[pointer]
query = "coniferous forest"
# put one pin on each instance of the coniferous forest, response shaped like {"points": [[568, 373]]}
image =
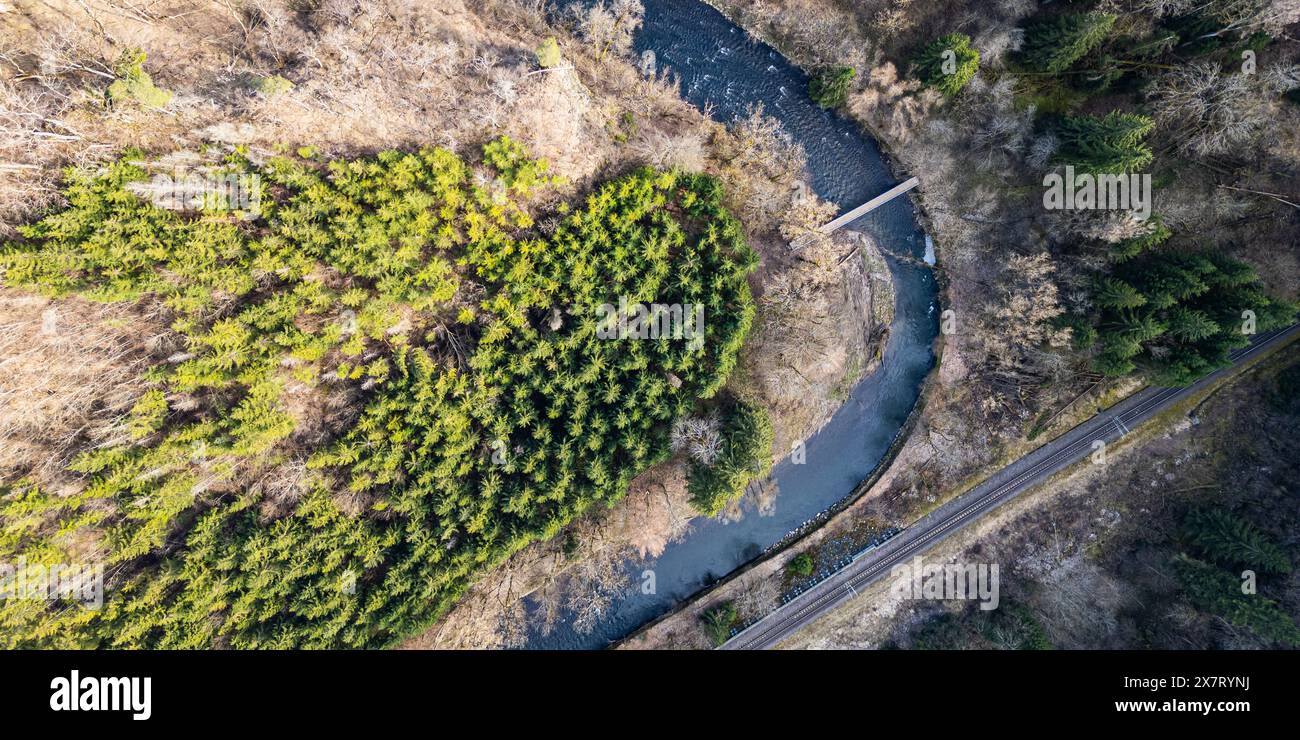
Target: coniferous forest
{"points": [[420, 285]]}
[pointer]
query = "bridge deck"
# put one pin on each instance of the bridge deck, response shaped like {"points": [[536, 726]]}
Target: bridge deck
{"points": [[831, 226], [870, 205]]}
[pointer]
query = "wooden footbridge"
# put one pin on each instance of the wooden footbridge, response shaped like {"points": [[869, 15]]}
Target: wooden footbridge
{"points": [[847, 217]]}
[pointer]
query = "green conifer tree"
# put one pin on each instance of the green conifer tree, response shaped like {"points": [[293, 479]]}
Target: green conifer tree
{"points": [[948, 63], [1054, 45]]}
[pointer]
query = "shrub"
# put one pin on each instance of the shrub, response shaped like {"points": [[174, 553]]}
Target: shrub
{"points": [[548, 54], [945, 631], [829, 88], [1034, 637], [801, 565], [134, 84], [948, 63], [717, 622], [273, 86]]}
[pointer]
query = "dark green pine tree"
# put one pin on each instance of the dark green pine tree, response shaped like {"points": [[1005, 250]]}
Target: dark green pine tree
{"points": [[1136, 326], [1166, 281], [1190, 324], [948, 63], [1132, 247], [829, 88], [1231, 540], [746, 455], [1054, 45], [1114, 363], [1178, 365], [1178, 315], [1110, 144], [1230, 272], [1113, 293], [1218, 592], [1118, 347], [1083, 334]]}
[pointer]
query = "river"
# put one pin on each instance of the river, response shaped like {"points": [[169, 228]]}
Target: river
{"points": [[720, 65]]}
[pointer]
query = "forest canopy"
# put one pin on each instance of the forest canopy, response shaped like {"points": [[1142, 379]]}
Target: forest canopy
{"points": [[485, 411]]}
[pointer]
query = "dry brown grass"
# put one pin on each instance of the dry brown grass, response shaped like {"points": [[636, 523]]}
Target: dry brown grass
{"points": [[69, 372], [367, 76]]}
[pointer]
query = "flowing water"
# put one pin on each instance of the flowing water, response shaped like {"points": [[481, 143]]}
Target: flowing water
{"points": [[722, 67]]}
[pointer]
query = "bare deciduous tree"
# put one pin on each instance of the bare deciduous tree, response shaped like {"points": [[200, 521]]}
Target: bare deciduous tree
{"points": [[758, 598], [1208, 112], [686, 150], [611, 26], [593, 585], [698, 437], [761, 163]]}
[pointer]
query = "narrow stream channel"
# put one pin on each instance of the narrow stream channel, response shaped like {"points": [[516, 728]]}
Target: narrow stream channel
{"points": [[720, 65]]}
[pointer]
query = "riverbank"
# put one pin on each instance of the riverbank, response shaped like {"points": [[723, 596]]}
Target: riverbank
{"points": [[824, 316], [462, 76], [1087, 555], [1004, 384], [719, 68]]}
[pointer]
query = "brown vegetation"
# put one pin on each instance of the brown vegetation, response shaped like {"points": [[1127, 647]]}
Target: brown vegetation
{"points": [[351, 78], [1007, 379], [1090, 554], [981, 159], [69, 373]]}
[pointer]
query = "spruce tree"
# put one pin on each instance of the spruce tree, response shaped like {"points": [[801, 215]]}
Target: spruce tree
{"points": [[1190, 324], [1127, 249], [829, 88], [1231, 540], [1219, 593], [1116, 294], [948, 63], [1110, 144], [1056, 44], [1178, 315]]}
